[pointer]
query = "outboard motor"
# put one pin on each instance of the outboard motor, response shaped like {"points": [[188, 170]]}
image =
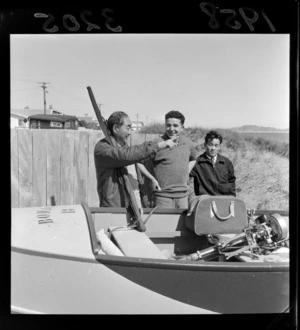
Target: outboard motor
{"points": [[232, 232]]}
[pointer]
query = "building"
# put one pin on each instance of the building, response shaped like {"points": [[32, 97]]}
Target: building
{"points": [[36, 118], [95, 124], [19, 117], [87, 119], [53, 121], [137, 125], [18, 121], [90, 123]]}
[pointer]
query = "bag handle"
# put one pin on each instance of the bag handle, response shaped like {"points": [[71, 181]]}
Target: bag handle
{"points": [[214, 211]]}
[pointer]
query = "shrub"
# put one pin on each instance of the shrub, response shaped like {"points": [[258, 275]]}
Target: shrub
{"points": [[279, 148], [231, 140], [156, 128]]}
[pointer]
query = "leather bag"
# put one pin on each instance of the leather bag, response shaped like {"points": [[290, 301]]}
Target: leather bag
{"points": [[216, 215]]}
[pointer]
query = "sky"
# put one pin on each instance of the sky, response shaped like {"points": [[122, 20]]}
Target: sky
{"points": [[214, 80]]}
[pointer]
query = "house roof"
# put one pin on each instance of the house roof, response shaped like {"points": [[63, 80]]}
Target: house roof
{"points": [[17, 116], [59, 118], [28, 112]]}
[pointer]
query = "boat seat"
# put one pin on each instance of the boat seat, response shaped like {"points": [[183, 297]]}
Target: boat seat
{"points": [[135, 244]]}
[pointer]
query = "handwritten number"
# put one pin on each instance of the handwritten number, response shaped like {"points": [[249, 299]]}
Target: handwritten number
{"points": [[45, 221], [237, 25], [70, 22], [90, 25], [76, 26], [110, 20], [213, 23], [248, 20], [268, 21], [48, 21]]}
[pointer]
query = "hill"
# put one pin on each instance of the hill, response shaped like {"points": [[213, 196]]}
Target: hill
{"points": [[255, 128]]}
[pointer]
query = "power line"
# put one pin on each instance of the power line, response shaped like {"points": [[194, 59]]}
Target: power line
{"points": [[24, 90], [31, 81], [68, 96], [137, 121]]}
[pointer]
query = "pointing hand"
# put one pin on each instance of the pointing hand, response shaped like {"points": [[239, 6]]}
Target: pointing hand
{"points": [[172, 142]]}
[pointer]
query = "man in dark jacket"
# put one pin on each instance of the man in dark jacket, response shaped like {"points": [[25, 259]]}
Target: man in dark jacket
{"points": [[109, 158], [213, 173]]}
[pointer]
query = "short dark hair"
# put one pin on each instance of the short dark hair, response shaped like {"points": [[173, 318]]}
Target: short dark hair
{"points": [[116, 118], [213, 135], [175, 114]]}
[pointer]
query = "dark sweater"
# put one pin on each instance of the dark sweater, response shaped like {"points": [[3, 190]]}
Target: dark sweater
{"points": [[171, 168]]}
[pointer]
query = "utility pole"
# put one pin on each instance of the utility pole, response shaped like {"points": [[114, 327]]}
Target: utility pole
{"points": [[44, 90], [137, 121]]}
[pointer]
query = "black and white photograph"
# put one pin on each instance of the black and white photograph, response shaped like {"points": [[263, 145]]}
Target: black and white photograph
{"points": [[150, 172]]}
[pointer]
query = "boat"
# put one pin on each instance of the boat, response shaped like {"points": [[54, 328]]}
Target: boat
{"points": [[78, 259]]}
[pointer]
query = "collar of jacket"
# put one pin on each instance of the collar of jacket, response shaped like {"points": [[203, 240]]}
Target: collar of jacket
{"points": [[113, 140], [203, 158], [117, 144]]}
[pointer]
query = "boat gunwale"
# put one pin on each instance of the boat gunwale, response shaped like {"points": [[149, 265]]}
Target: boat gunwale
{"points": [[227, 266], [147, 210], [138, 262]]}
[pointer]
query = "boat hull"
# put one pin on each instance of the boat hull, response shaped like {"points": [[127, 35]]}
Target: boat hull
{"points": [[57, 267], [49, 284], [116, 285]]}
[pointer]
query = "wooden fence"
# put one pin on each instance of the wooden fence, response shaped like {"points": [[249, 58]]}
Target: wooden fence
{"points": [[55, 166]]}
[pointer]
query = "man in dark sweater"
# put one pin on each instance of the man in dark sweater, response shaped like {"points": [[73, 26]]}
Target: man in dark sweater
{"points": [[172, 166], [213, 173]]}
